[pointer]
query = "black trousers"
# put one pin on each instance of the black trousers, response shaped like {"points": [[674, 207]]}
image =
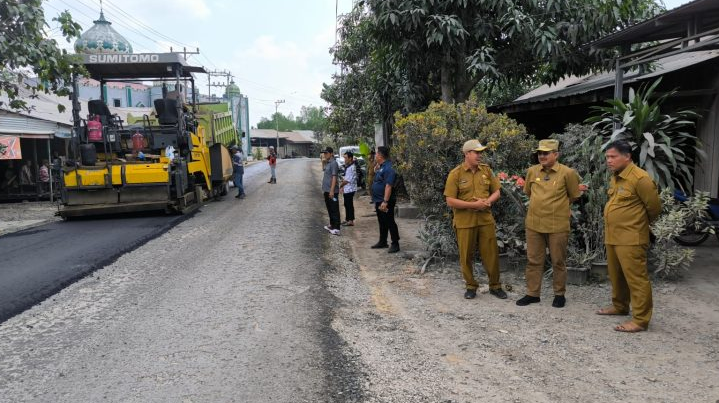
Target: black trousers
{"points": [[333, 209], [387, 223], [349, 206]]}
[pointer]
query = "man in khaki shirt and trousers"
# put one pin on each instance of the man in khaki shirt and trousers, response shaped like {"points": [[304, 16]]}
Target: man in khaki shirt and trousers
{"points": [[633, 204], [470, 191], [551, 188]]}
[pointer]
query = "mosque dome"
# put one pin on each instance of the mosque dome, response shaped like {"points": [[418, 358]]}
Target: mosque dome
{"points": [[232, 90], [102, 38]]}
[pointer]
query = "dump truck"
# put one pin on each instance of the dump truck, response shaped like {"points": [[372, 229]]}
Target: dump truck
{"points": [[170, 159]]}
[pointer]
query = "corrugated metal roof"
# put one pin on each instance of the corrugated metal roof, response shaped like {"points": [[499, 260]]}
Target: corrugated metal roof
{"points": [[266, 134], [295, 136], [580, 85], [17, 124], [668, 25]]}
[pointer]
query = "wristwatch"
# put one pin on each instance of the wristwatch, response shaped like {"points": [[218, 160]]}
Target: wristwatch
{"points": [[385, 201]]}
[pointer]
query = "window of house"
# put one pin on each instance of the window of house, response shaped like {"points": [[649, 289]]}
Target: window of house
{"points": [[116, 102]]}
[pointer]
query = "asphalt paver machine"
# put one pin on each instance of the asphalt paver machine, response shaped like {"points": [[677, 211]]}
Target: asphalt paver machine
{"points": [[163, 160]]}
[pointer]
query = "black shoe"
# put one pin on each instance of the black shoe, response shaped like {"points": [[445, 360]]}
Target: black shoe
{"points": [[499, 293], [379, 245], [559, 301], [470, 294], [394, 248], [238, 197], [527, 299], [242, 196]]}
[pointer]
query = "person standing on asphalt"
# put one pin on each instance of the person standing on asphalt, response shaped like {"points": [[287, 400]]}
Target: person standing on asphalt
{"points": [[349, 187], [238, 170], [384, 200], [470, 191], [329, 188], [633, 204], [551, 188], [272, 159]]}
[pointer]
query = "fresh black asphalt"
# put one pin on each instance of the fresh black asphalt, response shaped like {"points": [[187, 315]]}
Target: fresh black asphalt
{"points": [[36, 263]]}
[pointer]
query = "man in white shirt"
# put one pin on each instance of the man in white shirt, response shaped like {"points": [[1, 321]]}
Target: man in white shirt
{"points": [[238, 170]]}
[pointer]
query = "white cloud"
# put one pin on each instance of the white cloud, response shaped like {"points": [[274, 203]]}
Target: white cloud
{"points": [[190, 10], [268, 70], [266, 48]]}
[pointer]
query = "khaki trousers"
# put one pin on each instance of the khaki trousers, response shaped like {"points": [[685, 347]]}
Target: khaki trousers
{"points": [[627, 269], [537, 244], [484, 237]]}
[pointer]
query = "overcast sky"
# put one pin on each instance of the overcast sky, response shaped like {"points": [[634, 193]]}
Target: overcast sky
{"points": [[276, 49]]}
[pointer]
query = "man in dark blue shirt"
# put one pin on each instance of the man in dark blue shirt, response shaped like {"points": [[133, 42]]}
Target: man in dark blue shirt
{"points": [[384, 200]]}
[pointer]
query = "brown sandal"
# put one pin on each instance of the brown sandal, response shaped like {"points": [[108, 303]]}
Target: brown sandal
{"points": [[610, 310], [629, 327]]}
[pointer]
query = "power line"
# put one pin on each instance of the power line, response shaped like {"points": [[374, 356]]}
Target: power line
{"points": [[145, 26]]}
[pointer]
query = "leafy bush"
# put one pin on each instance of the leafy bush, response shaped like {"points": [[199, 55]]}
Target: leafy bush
{"points": [[257, 154], [581, 149], [429, 145], [509, 214]]}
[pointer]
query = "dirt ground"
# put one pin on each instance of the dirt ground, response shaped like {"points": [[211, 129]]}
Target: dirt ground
{"points": [[419, 340], [19, 216]]}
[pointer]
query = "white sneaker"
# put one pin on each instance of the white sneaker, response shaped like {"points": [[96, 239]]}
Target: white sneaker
{"points": [[334, 231], [327, 227]]}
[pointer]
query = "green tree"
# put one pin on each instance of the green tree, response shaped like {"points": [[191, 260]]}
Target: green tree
{"points": [[279, 121], [25, 50], [462, 42], [312, 118], [400, 55]]}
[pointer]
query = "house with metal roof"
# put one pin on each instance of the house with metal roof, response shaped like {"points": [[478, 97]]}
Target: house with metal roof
{"points": [[296, 143], [680, 45]]}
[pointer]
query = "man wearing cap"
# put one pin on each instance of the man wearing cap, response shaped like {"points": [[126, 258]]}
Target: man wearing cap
{"points": [[330, 190], [633, 204], [238, 170], [272, 159], [470, 191], [551, 188]]}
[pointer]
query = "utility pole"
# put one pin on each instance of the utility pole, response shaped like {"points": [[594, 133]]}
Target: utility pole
{"points": [[222, 73], [277, 125], [185, 53]]}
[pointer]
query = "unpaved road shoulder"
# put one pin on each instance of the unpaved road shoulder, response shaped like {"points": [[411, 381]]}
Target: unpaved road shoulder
{"points": [[420, 341]]}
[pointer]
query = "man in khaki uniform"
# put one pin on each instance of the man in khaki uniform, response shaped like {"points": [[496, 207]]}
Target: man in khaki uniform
{"points": [[633, 204], [551, 188], [470, 191]]}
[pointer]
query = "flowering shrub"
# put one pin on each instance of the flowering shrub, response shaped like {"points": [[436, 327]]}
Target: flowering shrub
{"points": [[509, 214], [428, 146]]}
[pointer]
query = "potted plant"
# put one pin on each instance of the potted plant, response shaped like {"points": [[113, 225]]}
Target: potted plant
{"points": [[581, 149]]}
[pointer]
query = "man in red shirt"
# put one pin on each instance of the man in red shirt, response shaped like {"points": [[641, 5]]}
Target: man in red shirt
{"points": [[272, 158]]}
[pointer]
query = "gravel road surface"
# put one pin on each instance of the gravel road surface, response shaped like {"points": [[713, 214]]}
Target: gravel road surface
{"points": [[227, 306]]}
